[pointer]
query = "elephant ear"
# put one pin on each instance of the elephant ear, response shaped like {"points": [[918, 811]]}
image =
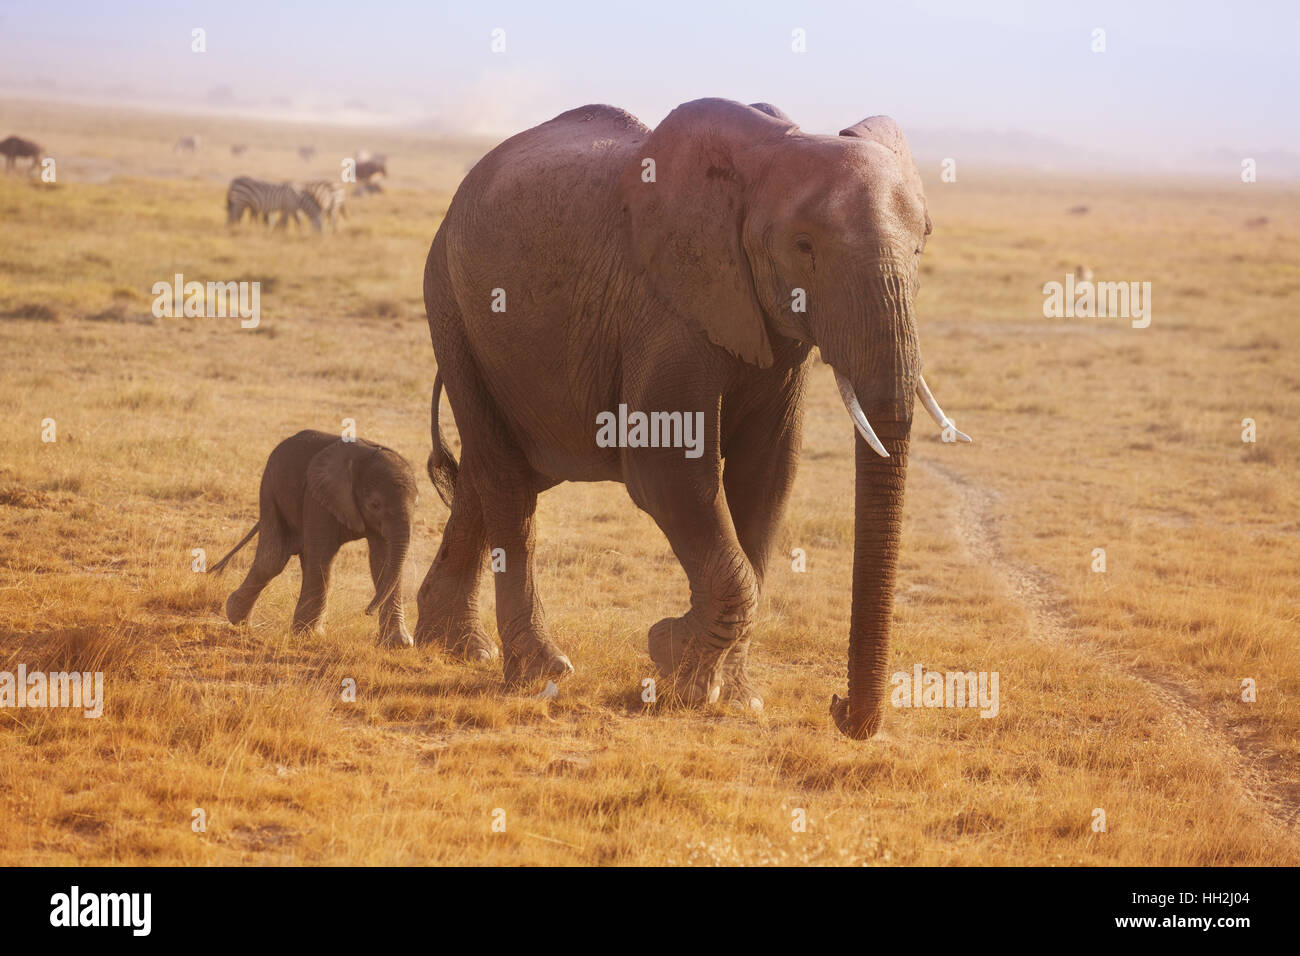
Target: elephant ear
{"points": [[883, 130], [686, 225], [330, 482]]}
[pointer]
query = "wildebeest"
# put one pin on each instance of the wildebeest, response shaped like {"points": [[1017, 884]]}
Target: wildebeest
{"points": [[263, 198], [186, 144], [307, 153], [367, 170], [15, 148]]}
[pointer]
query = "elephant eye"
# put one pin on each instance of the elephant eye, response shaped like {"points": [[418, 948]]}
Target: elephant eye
{"points": [[804, 244]]}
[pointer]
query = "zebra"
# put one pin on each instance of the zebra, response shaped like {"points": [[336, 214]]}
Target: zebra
{"points": [[307, 153], [15, 148], [186, 144], [238, 149], [328, 196], [263, 198]]}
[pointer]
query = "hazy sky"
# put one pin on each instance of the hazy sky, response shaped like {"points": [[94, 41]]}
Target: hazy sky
{"points": [[1175, 77]]}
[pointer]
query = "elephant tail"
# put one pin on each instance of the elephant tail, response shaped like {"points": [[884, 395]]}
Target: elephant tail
{"points": [[216, 568], [442, 463]]}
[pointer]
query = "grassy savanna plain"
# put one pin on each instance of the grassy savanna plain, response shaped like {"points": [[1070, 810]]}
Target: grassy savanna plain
{"points": [[1119, 691]]}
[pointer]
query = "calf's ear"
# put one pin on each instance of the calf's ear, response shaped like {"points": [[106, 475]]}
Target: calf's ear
{"points": [[330, 477]]}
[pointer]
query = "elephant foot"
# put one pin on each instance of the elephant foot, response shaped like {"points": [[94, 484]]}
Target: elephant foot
{"points": [[396, 638], [531, 656], [667, 645], [238, 608], [476, 646], [736, 686], [693, 668], [308, 628], [463, 639]]}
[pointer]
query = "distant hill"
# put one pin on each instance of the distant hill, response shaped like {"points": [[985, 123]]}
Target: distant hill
{"points": [[1016, 149], [997, 148]]}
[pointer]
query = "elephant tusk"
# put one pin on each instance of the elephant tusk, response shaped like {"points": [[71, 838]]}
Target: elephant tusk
{"points": [[859, 417], [931, 406]]}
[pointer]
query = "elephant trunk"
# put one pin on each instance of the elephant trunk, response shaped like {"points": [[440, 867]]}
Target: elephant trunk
{"points": [[880, 388], [878, 518], [388, 591]]}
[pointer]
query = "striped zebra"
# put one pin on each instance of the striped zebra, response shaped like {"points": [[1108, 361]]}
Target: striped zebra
{"points": [[263, 198], [328, 196]]}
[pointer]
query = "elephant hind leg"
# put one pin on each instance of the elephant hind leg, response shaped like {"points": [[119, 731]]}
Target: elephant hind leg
{"points": [[448, 600], [274, 548], [495, 477], [317, 558], [509, 501]]}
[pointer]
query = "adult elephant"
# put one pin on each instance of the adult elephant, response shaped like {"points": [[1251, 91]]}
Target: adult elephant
{"points": [[591, 266]]}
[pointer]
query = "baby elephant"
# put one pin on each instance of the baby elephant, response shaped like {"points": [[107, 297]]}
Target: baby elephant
{"points": [[318, 492]]}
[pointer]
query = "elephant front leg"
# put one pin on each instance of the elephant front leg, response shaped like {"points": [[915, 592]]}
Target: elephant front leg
{"points": [[685, 498], [317, 559], [762, 458], [696, 651], [392, 612], [737, 688]]}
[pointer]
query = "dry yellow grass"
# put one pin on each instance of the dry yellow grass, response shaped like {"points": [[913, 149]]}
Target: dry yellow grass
{"points": [[1119, 691]]}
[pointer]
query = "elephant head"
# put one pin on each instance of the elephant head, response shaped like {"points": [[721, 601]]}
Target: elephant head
{"points": [[372, 492], [753, 231]]}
